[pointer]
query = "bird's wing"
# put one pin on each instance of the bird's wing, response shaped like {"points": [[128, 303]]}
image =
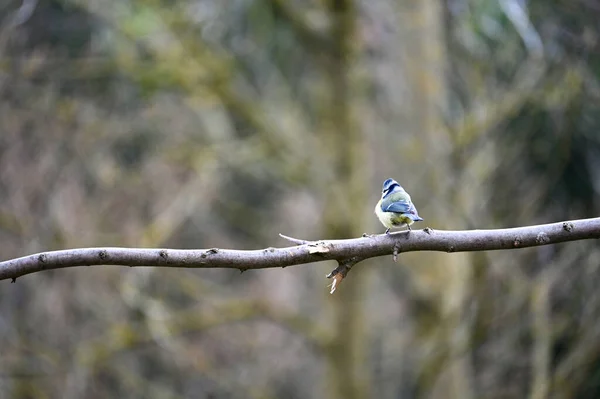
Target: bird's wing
{"points": [[398, 207], [397, 202]]}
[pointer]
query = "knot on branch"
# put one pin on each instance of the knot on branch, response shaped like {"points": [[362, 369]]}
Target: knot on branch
{"points": [[314, 247], [211, 251], [395, 253], [321, 247], [542, 238]]}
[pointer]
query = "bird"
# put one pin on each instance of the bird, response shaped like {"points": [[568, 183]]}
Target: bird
{"points": [[395, 208]]}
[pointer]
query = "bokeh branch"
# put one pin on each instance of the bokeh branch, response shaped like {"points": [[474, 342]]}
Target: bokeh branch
{"points": [[347, 252]]}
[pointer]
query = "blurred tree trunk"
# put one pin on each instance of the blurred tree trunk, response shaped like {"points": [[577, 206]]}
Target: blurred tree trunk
{"points": [[345, 198], [448, 372]]}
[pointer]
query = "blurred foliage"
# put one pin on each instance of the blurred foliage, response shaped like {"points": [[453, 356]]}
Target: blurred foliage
{"points": [[198, 124]]}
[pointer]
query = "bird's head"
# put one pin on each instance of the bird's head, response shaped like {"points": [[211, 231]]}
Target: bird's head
{"points": [[389, 186]]}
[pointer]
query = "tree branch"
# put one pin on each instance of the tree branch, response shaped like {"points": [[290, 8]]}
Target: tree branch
{"points": [[346, 252]]}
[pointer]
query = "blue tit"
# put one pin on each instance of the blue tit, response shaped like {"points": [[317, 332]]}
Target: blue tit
{"points": [[395, 209]]}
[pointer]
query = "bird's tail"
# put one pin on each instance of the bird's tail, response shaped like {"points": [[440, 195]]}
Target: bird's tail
{"points": [[415, 218]]}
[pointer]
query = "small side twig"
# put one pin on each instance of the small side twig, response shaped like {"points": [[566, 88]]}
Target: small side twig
{"points": [[340, 272], [294, 240]]}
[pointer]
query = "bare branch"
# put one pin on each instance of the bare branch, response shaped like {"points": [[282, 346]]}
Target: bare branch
{"points": [[346, 252]]}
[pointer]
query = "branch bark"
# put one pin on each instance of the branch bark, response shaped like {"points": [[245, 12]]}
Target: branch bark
{"points": [[346, 252]]}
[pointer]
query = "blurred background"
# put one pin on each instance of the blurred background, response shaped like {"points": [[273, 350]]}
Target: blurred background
{"points": [[204, 123]]}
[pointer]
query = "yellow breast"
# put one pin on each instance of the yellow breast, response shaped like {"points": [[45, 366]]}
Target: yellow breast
{"points": [[391, 219]]}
